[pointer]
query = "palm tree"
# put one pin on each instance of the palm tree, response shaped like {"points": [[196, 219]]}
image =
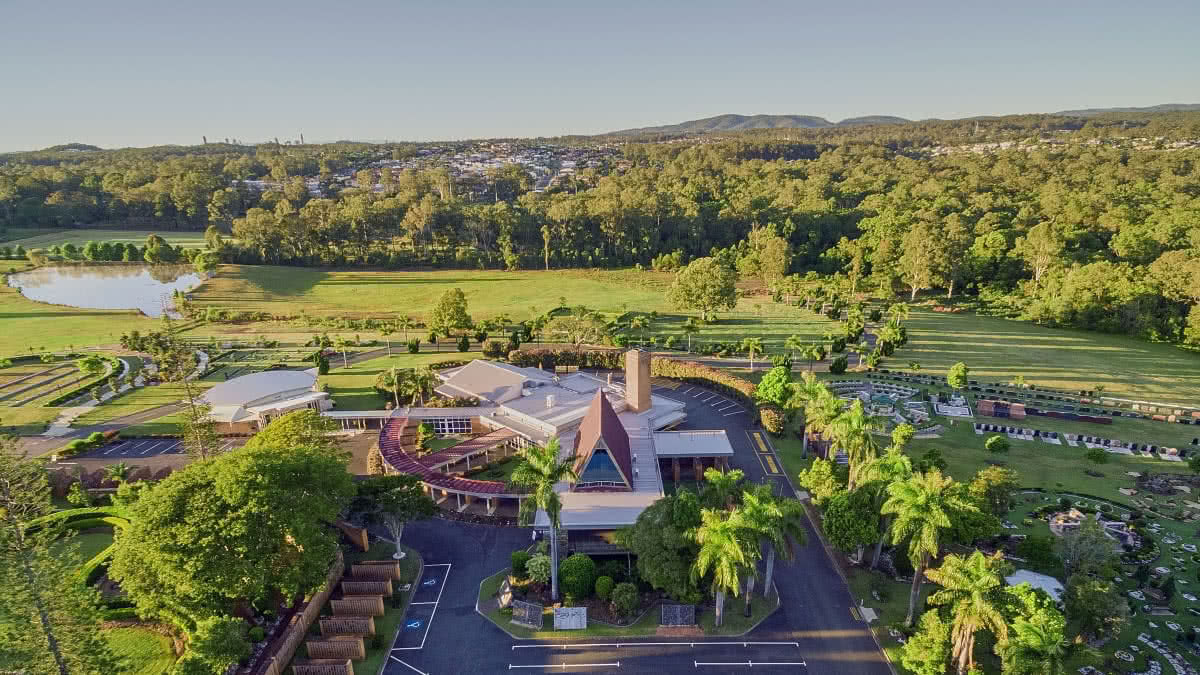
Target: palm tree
{"points": [[721, 487], [779, 524], [417, 383], [893, 466], [405, 323], [341, 344], [752, 346], [386, 332], [395, 387], [897, 312], [970, 587], [690, 328], [820, 406], [725, 551], [540, 470], [639, 323], [852, 431], [794, 343], [920, 505], [813, 352], [1038, 639], [116, 472]]}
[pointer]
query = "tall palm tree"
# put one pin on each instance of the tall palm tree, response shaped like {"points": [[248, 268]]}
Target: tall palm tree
{"points": [[540, 470], [690, 328], [921, 505], [794, 343], [417, 383], [779, 524], [341, 344], [752, 346], [386, 331], [820, 406], [639, 323], [897, 312], [891, 467], [813, 352], [405, 323], [726, 552], [852, 431], [721, 487], [396, 387], [1039, 639], [970, 587]]}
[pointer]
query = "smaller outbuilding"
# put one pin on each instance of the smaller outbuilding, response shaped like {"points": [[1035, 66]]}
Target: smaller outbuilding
{"points": [[248, 403]]}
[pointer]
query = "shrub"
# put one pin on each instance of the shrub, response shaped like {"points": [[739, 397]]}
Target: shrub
{"points": [[577, 575], [464, 344], [119, 614], [613, 569], [414, 346], [517, 560], [624, 598], [996, 444], [838, 345], [257, 634], [604, 588], [772, 418], [432, 338], [876, 314], [839, 365], [538, 568], [494, 349]]}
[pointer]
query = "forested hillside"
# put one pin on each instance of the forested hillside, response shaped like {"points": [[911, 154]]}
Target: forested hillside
{"points": [[1085, 222]]}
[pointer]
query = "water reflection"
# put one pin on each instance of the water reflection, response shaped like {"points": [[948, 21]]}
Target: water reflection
{"points": [[147, 288]]}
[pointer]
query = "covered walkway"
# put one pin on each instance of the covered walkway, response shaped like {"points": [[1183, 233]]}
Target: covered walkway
{"points": [[473, 447]]}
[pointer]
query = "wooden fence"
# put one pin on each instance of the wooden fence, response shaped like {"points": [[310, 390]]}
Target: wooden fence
{"points": [[324, 667], [358, 605], [347, 625], [340, 647], [285, 647], [357, 587], [376, 570]]}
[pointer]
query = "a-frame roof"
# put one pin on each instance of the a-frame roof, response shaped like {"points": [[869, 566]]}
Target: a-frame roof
{"points": [[602, 423]]}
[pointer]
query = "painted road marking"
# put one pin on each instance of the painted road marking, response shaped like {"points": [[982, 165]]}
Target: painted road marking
{"points": [[113, 448], [564, 666], [739, 411], [854, 613], [750, 663], [406, 665], [702, 643], [762, 447], [768, 463], [429, 623]]}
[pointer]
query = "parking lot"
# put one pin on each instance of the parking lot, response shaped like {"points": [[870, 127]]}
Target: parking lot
{"points": [[141, 448]]}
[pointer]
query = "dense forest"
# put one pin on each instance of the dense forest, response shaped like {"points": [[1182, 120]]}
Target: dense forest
{"points": [[1091, 222]]}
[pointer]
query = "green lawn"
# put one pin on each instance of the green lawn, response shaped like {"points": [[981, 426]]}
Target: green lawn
{"points": [[170, 425], [47, 237], [999, 349], [136, 401], [83, 547], [354, 388], [26, 420], [142, 652]]}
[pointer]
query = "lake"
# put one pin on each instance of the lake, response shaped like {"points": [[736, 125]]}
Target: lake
{"points": [[146, 288]]}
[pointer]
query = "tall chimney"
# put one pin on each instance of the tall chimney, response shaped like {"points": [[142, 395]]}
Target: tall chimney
{"points": [[637, 380]]}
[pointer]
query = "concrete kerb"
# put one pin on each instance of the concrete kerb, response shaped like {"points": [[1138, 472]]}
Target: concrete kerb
{"points": [[808, 512], [407, 603]]}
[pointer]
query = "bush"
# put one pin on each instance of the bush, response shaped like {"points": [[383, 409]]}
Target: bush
{"points": [[577, 575], [625, 598], [257, 634], [838, 345], [517, 561], [604, 588], [464, 344], [996, 444], [876, 314], [772, 418], [839, 365], [538, 568], [495, 349], [414, 346], [613, 569], [119, 614]]}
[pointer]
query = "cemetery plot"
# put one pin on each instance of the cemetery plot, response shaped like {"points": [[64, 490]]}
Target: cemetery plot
{"points": [[238, 362]]}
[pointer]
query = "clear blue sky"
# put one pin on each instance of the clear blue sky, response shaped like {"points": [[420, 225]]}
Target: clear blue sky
{"points": [[121, 73]]}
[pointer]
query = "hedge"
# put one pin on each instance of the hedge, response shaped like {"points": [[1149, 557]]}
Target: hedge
{"points": [[120, 614], [85, 388], [72, 516], [706, 376], [609, 359]]}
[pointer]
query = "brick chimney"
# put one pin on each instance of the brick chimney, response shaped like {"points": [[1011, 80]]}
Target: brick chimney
{"points": [[637, 380]]}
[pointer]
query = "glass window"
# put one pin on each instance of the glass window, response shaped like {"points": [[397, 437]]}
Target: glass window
{"points": [[601, 470]]}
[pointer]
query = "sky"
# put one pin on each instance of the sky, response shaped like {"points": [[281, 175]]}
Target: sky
{"points": [[119, 73]]}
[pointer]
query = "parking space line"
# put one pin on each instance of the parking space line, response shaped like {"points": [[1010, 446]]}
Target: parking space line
{"points": [[407, 665], [429, 623], [735, 412], [564, 666], [113, 448], [690, 643]]}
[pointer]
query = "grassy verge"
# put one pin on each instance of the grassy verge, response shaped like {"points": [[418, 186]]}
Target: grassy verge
{"points": [[141, 651], [647, 624], [170, 425], [27, 420], [137, 401]]}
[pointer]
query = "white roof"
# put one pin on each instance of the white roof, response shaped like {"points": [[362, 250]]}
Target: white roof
{"points": [[692, 443], [599, 510], [1052, 586], [250, 388], [489, 380]]}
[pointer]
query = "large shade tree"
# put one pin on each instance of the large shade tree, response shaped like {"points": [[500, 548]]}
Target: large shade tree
{"points": [[705, 285], [251, 525], [393, 501]]}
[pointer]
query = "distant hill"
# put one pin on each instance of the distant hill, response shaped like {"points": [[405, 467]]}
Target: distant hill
{"points": [[743, 122], [1161, 108], [77, 147]]}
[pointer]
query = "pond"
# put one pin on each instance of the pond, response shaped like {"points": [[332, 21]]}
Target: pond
{"points": [[147, 288]]}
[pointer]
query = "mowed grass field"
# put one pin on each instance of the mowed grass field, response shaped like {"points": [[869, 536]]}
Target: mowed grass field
{"points": [[998, 349], [47, 237], [353, 388]]}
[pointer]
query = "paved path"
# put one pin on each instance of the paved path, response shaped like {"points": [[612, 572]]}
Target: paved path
{"points": [[814, 631]]}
